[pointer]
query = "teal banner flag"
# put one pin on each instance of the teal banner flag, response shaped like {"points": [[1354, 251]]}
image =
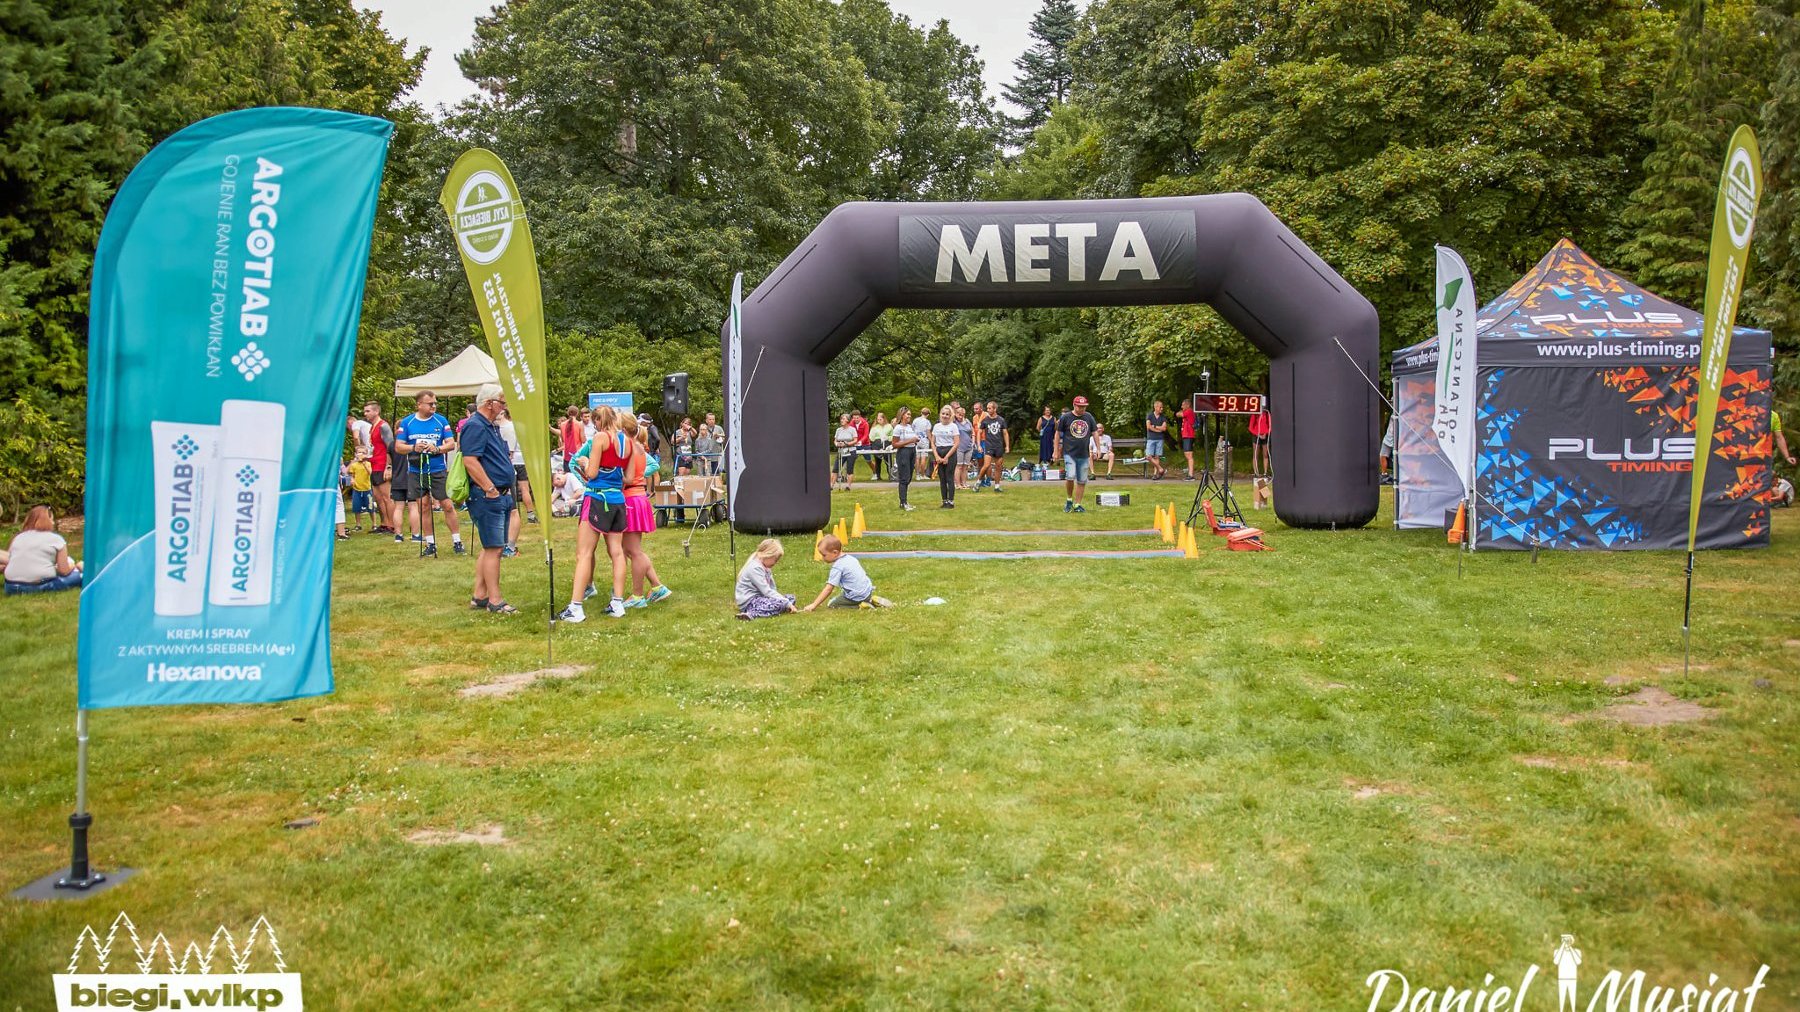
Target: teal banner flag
{"points": [[227, 288]]}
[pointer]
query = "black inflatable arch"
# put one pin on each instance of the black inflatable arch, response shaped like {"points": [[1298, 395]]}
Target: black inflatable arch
{"points": [[1226, 250]]}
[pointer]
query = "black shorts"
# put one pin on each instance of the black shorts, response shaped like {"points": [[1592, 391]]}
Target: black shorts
{"points": [[1264, 441], [1187, 444], [994, 450], [377, 478], [602, 517], [519, 474], [413, 488]]}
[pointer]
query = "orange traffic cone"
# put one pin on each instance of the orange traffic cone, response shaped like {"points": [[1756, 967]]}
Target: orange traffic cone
{"points": [[1461, 525]]}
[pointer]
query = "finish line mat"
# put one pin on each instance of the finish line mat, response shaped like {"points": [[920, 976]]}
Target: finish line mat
{"points": [[1155, 553], [945, 532]]}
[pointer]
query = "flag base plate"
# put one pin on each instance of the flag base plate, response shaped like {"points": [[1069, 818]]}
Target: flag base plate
{"points": [[53, 887]]}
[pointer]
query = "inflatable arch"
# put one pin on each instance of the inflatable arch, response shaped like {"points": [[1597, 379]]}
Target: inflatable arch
{"points": [[1226, 250]]}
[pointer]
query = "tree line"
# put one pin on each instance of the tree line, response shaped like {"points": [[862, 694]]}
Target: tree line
{"points": [[662, 145]]}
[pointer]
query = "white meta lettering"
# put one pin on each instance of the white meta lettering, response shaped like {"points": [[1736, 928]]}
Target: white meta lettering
{"points": [[1078, 233], [1027, 254], [971, 258], [1130, 252]]}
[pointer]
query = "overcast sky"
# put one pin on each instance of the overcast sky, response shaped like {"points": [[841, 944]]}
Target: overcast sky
{"points": [[998, 29]]}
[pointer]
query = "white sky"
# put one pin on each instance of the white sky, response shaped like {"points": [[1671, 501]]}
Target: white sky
{"points": [[998, 29]]}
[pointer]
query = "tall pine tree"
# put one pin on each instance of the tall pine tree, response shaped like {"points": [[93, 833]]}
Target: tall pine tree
{"points": [[1045, 70]]}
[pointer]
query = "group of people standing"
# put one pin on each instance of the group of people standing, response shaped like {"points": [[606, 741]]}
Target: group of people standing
{"points": [[916, 448], [614, 465]]}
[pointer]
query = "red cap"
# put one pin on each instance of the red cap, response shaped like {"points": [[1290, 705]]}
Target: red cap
{"points": [[1081, 402]]}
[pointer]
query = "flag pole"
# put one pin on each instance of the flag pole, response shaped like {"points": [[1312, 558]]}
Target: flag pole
{"points": [[80, 875], [1687, 608]]}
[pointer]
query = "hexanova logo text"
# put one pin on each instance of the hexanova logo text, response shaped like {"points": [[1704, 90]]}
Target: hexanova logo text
{"points": [[485, 216], [219, 975], [1616, 991]]}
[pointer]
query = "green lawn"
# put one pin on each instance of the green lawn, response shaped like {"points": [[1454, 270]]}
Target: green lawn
{"points": [[1246, 781]]}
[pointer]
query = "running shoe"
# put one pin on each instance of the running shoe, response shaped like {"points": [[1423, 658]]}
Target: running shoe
{"points": [[658, 594], [460, 550], [616, 609], [430, 552], [636, 602], [574, 613], [1079, 509], [509, 552], [1068, 505]]}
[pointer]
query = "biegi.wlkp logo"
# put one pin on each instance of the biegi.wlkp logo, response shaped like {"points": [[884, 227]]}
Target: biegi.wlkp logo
{"points": [[485, 215], [152, 976], [250, 361]]}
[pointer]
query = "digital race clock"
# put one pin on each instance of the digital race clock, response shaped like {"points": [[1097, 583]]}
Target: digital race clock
{"points": [[1229, 404]]}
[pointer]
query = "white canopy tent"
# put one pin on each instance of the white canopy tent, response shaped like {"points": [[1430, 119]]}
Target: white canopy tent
{"points": [[462, 376]]}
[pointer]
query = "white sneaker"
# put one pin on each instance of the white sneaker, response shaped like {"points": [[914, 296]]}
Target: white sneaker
{"points": [[908, 507], [616, 609], [574, 614]]}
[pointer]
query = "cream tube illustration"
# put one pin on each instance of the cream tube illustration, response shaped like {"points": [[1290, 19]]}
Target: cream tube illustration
{"points": [[186, 460], [247, 503]]}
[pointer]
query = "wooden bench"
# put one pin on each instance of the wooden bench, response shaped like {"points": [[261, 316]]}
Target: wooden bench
{"points": [[1141, 462]]}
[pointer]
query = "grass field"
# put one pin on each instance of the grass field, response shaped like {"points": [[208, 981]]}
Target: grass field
{"points": [[1246, 781]]}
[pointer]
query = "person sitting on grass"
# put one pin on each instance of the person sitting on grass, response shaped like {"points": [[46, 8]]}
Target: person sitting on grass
{"points": [[848, 577], [38, 560], [756, 593]]}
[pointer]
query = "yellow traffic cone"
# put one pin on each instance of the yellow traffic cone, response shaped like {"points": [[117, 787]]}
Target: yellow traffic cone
{"points": [[1168, 524], [857, 525], [818, 537], [1191, 550], [1157, 523], [841, 532]]}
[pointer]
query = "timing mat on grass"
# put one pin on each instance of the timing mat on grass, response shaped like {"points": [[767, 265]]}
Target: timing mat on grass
{"points": [[948, 532], [1154, 553]]}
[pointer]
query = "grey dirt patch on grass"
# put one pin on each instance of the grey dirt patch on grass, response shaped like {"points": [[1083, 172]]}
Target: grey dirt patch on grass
{"points": [[507, 685], [490, 835], [1651, 706]]}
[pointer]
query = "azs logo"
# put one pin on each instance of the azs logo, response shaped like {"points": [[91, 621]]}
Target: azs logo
{"points": [[1653, 454]]}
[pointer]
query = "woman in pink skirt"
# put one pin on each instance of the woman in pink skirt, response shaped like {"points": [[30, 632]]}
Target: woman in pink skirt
{"points": [[640, 519]]}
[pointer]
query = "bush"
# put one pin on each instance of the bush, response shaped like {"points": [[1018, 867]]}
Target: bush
{"points": [[40, 459]]}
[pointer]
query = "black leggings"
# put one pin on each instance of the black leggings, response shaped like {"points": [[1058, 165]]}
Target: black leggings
{"points": [[903, 469], [947, 477]]}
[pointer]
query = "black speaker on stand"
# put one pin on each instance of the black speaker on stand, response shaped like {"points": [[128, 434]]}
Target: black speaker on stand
{"points": [[675, 393]]}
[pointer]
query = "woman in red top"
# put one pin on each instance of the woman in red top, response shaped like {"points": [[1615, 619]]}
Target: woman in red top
{"points": [[640, 519], [1186, 414], [1259, 442], [573, 434]]}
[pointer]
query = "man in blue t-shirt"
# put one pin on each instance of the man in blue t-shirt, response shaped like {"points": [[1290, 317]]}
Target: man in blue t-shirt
{"points": [[1073, 430], [424, 437], [489, 463]]}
